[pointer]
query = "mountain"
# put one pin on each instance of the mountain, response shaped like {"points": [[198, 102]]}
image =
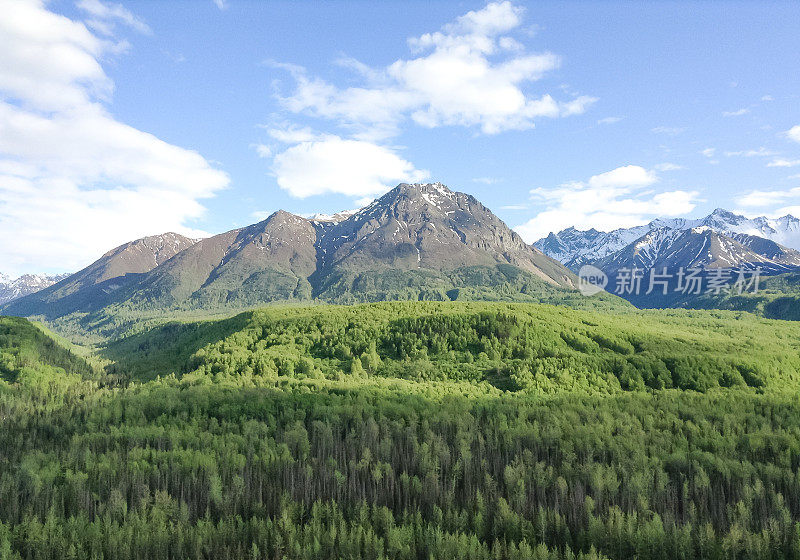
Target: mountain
{"points": [[263, 262], [700, 247], [95, 285], [575, 248], [422, 230], [406, 243], [711, 257], [418, 241], [11, 289]]}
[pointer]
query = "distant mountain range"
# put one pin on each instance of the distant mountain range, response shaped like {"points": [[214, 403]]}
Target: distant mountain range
{"points": [[574, 248], [720, 241], [14, 288], [418, 241], [700, 247]]}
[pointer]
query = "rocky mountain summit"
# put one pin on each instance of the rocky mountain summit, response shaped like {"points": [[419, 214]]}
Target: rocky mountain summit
{"points": [[418, 241]]}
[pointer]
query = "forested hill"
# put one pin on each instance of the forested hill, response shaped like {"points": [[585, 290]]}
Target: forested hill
{"points": [[412, 431], [511, 347], [777, 297], [26, 352]]}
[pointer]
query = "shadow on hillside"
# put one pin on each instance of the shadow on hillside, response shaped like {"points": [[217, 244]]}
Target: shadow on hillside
{"points": [[166, 349]]}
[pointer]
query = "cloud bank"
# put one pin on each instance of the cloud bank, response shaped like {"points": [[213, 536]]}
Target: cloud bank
{"points": [[75, 181], [622, 197]]}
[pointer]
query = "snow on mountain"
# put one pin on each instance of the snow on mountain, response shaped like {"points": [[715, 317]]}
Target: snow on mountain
{"points": [[575, 248], [333, 218], [13, 288], [700, 247]]}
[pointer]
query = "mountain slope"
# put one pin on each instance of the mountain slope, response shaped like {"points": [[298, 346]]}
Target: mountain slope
{"points": [[267, 261], [700, 247], [28, 353], [712, 259], [424, 230], [95, 285]]}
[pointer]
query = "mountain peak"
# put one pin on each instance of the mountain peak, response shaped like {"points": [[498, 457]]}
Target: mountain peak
{"points": [[282, 216], [723, 212], [424, 187]]}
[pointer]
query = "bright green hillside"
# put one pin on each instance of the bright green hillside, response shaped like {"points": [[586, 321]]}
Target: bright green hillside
{"points": [[27, 353], [412, 431], [513, 347]]}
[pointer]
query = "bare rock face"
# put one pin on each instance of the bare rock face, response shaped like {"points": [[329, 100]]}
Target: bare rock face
{"points": [[428, 226]]}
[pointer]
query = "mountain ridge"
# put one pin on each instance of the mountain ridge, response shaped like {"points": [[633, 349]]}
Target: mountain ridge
{"points": [[417, 241], [15, 288], [574, 247]]}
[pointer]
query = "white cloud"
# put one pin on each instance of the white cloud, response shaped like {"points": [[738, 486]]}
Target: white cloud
{"points": [[467, 74], [794, 133], [708, 152], [609, 120], [293, 134], [618, 198], [786, 210], [263, 150], [364, 201], [668, 130], [668, 167], [767, 98], [737, 113], [757, 199], [627, 176], [104, 15], [221, 4], [761, 152], [781, 162], [74, 181], [335, 165]]}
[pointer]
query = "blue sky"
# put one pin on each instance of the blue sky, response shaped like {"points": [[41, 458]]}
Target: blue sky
{"points": [[119, 120]]}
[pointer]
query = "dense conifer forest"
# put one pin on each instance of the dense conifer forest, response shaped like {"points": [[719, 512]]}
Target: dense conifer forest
{"points": [[406, 430]]}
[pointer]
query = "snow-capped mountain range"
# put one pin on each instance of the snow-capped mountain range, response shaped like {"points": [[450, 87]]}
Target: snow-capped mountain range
{"points": [[700, 247], [575, 248], [13, 288]]}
